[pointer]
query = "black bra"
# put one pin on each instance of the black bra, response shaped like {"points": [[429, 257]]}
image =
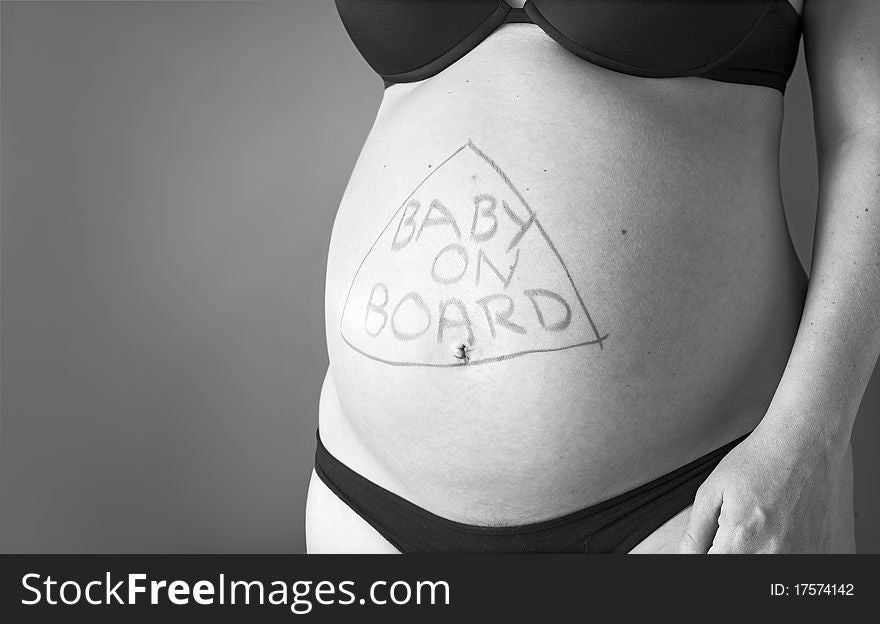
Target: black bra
{"points": [[742, 41]]}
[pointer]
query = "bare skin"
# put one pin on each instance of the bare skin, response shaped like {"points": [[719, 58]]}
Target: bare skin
{"points": [[779, 491], [497, 369]]}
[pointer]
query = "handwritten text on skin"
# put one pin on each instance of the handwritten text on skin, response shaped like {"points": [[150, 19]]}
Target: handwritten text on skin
{"points": [[451, 265]]}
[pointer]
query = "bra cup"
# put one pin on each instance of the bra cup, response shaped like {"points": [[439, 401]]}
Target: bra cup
{"points": [[399, 37], [659, 37]]}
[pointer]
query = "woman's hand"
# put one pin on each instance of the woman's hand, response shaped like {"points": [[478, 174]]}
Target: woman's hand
{"points": [[772, 493]]}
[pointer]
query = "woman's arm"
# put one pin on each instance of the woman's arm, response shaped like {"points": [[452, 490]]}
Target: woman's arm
{"points": [[839, 337], [773, 492]]}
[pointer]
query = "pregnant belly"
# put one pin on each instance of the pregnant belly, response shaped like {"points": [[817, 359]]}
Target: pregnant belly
{"points": [[522, 321]]}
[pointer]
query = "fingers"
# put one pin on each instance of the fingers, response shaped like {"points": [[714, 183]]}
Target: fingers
{"points": [[743, 528], [731, 542], [702, 524]]}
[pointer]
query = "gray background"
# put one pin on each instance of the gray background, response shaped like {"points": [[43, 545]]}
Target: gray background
{"points": [[170, 176]]}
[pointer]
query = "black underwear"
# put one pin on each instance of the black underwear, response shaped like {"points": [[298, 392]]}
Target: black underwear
{"points": [[616, 525]]}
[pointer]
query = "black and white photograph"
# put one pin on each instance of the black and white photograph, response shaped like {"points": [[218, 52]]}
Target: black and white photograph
{"points": [[450, 277]]}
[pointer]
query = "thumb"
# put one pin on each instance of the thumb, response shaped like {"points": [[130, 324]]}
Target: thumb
{"points": [[702, 524]]}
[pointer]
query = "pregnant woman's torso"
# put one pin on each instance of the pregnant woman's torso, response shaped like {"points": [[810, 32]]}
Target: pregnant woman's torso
{"points": [[549, 282]]}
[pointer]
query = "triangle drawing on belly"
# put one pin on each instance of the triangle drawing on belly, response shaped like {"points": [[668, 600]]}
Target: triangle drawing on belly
{"points": [[464, 273]]}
